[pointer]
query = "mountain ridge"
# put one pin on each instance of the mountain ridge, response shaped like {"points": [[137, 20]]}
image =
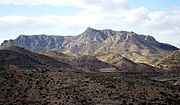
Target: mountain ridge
{"points": [[37, 43], [138, 48]]}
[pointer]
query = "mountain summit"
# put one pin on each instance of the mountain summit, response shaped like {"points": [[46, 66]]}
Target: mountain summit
{"points": [[138, 48]]}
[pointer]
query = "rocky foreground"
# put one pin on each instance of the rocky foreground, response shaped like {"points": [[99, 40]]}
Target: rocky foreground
{"points": [[29, 78]]}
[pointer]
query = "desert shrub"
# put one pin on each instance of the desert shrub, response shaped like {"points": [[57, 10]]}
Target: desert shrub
{"points": [[130, 84]]}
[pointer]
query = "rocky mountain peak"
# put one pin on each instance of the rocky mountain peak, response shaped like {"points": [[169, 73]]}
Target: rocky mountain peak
{"points": [[93, 35], [105, 32], [90, 29]]}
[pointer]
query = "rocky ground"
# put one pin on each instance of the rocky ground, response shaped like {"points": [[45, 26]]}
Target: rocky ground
{"points": [[57, 87], [28, 78]]}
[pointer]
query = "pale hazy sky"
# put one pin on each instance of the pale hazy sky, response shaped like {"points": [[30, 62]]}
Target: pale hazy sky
{"points": [[159, 18]]}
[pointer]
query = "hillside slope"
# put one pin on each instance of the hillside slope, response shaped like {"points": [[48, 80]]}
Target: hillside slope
{"points": [[171, 62], [22, 57], [126, 65], [49, 86]]}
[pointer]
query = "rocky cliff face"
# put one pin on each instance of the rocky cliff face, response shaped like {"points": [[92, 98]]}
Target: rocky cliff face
{"points": [[38, 43], [138, 48]]}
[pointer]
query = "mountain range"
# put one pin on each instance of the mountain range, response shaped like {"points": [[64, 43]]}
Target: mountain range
{"points": [[138, 48], [97, 67]]}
